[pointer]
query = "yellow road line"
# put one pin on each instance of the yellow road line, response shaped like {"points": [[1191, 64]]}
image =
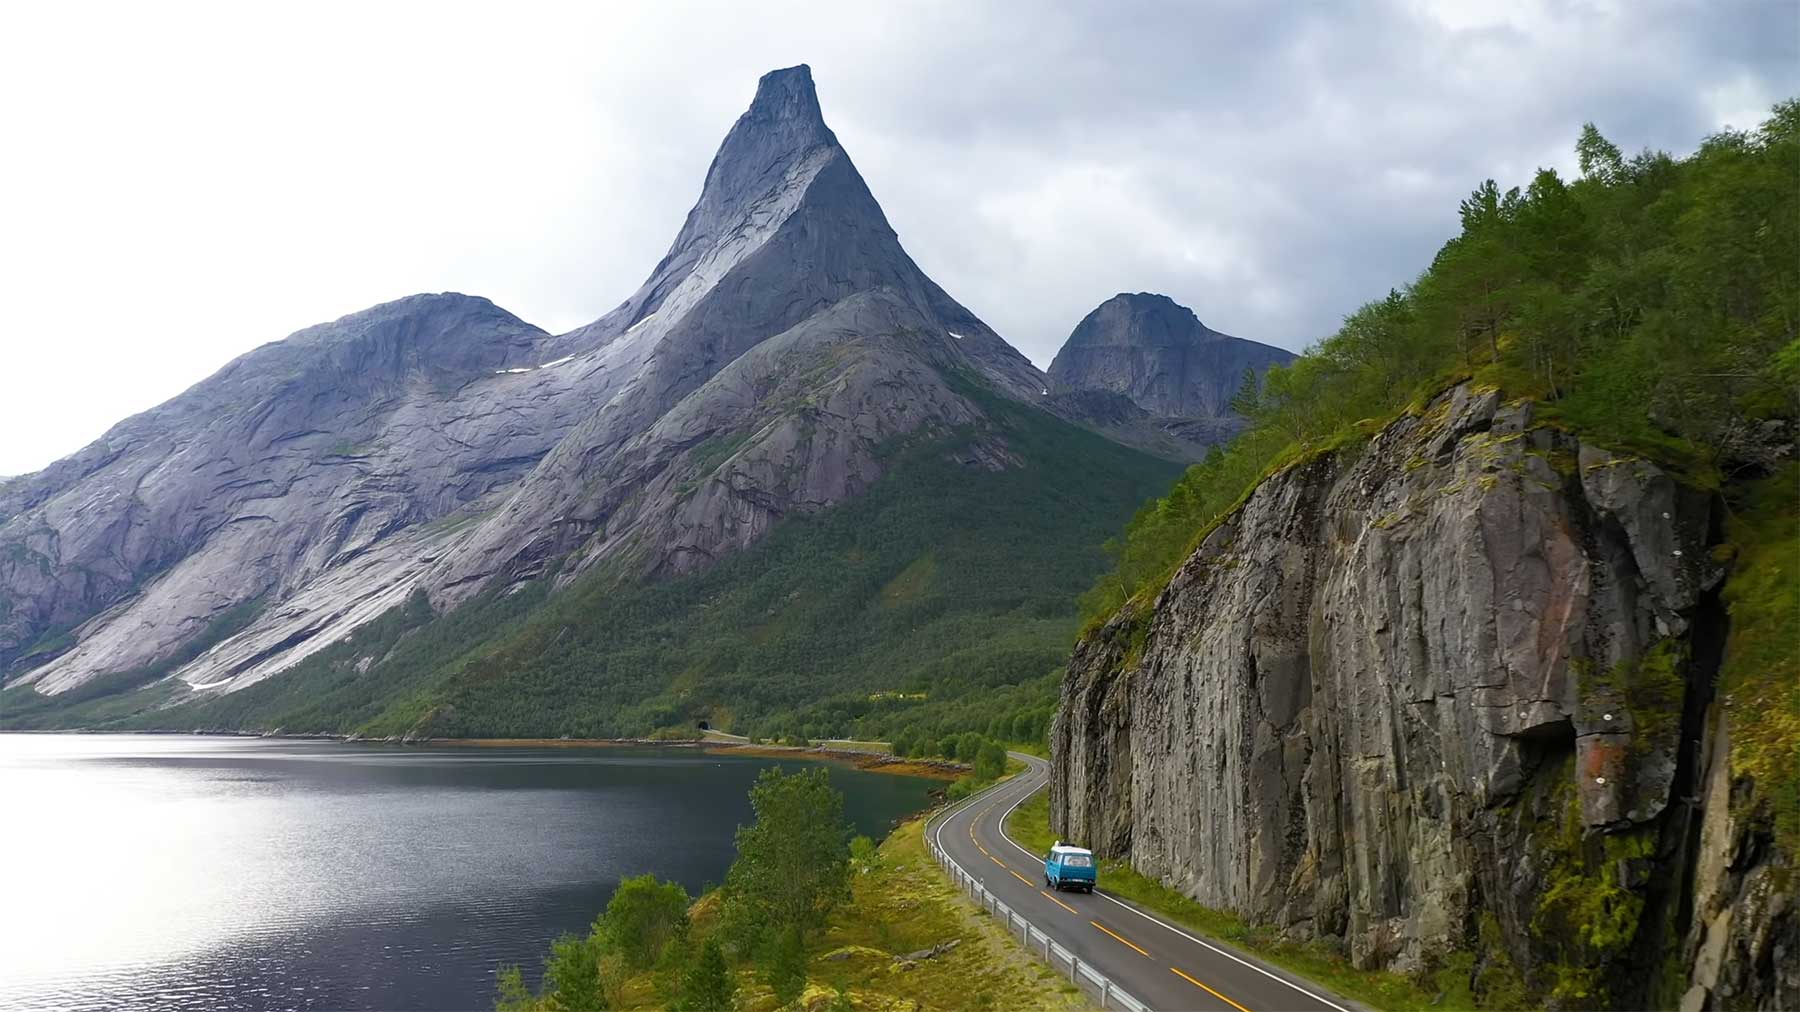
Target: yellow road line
{"points": [[1208, 990], [998, 861], [1058, 902], [1140, 949], [1018, 876]]}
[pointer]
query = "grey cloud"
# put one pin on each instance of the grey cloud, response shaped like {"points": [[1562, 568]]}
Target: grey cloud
{"points": [[1270, 165]]}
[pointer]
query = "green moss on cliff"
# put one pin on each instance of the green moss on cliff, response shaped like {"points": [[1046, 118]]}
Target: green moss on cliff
{"points": [[1651, 687], [1762, 653], [1497, 983], [1586, 918]]}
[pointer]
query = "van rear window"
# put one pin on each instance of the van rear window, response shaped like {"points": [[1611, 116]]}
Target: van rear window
{"points": [[1078, 861]]}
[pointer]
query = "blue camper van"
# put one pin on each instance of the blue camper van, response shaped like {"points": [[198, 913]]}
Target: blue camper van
{"points": [[1070, 867]]}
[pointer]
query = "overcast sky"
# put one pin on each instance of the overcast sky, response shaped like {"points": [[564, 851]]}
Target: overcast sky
{"points": [[181, 183]]}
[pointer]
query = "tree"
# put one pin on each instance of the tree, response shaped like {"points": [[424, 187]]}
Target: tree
{"points": [[671, 971], [1598, 157], [513, 995], [968, 747], [793, 863], [572, 975], [642, 917], [784, 968], [990, 762], [1022, 723], [707, 986]]}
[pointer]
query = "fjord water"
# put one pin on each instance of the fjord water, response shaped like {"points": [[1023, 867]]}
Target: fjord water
{"points": [[202, 872]]}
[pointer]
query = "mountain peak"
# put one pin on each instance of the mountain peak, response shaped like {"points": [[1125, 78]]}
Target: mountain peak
{"points": [[1155, 351], [1141, 319], [787, 94], [784, 120]]}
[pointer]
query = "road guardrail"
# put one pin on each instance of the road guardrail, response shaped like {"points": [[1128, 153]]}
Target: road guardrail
{"points": [[1035, 939]]}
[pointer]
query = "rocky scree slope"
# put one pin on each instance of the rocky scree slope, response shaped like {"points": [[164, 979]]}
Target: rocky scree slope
{"points": [[1451, 690], [1143, 369], [438, 444]]}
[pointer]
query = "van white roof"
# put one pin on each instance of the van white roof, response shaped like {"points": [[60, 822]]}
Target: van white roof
{"points": [[1063, 848]]}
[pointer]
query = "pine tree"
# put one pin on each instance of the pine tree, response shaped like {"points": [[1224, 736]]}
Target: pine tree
{"points": [[708, 986], [785, 970], [572, 976]]}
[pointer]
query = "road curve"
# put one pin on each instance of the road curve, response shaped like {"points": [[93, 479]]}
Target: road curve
{"points": [[1160, 964]]}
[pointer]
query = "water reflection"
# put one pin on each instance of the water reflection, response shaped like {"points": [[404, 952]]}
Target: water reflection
{"points": [[182, 872]]}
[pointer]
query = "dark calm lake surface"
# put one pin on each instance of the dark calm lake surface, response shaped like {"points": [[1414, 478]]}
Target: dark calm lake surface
{"points": [[159, 871]]}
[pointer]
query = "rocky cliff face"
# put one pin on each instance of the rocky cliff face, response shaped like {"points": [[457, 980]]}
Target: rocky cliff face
{"points": [[1156, 355], [1743, 938], [304, 474], [1447, 691], [439, 444]]}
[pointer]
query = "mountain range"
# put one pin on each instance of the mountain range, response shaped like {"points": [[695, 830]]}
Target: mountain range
{"points": [[438, 456]]}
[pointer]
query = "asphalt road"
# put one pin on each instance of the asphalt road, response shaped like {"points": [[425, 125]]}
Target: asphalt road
{"points": [[1162, 965]]}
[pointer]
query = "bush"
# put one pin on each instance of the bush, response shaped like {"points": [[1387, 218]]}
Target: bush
{"points": [[642, 918], [572, 975], [513, 995]]}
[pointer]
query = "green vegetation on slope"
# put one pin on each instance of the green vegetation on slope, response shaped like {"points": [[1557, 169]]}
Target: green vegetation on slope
{"points": [[938, 601], [1762, 655], [1652, 304]]}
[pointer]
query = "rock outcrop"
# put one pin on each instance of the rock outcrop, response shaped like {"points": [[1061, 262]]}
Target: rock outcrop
{"points": [[1743, 941], [307, 474], [439, 444], [1153, 353], [1444, 691]]}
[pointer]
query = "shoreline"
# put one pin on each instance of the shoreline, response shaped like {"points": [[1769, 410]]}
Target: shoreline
{"points": [[870, 762]]}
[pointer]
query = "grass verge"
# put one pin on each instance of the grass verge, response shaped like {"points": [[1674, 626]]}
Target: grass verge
{"points": [[900, 903], [1446, 989]]}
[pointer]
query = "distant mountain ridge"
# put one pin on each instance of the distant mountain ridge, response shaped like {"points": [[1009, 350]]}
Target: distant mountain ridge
{"points": [[437, 448], [1148, 352]]}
